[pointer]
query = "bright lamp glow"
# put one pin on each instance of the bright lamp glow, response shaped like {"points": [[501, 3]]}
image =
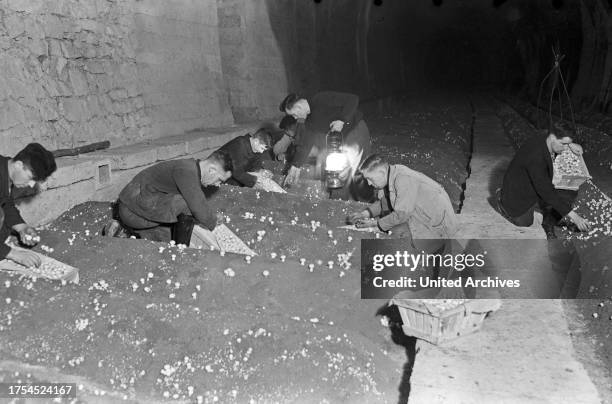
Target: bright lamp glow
{"points": [[336, 162]]}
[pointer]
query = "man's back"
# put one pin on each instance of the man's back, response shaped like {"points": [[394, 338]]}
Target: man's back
{"points": [[244, 160], [151, 192], [422, 197], [241, 152], [531, 165], [162, 177]]}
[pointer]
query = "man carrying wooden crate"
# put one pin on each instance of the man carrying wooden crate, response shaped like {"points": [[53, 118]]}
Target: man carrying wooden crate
{"points": [[32, 165], [528, 184]]}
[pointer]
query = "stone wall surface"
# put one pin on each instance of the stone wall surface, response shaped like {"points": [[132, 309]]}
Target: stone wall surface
{"points": [[176, 43], [252, 59], [272, 47], [74, 72]]}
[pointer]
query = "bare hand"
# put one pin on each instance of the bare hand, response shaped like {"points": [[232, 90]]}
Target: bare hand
{"points": [[365, 223], [28, 236], [293, 176], [336, 126], [579, 221], [575, 148], [345, 174], [355, 216], [282, 145], [26, 258], [220, 218]]}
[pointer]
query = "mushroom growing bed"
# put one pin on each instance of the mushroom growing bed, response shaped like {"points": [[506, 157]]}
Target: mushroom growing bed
{"points": [[151, 321]]}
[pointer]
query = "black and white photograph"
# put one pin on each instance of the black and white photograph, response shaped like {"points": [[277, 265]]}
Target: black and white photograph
{"points": [[306, 201]]}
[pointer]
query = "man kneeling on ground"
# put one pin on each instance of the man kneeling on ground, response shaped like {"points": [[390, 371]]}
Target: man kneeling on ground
{"points": [[246, 152], [405, 197], [31, 165], [528, 184], [164, 201]]}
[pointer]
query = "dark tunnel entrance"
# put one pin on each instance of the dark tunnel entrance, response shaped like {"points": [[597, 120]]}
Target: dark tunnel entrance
{"points": [[377, 49]]}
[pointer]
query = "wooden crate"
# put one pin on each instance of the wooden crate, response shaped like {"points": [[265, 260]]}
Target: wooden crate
{"points": [[70, 273], [438, 326], [571, 182]]}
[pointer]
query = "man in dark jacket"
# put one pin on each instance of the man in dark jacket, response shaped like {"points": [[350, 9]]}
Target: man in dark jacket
{"points": [[316, 117], [283, 146], [164, 201], [528, 182], [31, 165], [246, 152]]}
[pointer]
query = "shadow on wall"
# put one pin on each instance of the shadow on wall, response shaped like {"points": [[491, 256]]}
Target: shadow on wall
{"points": [[319, 43], [295, 25], [381, 48], [496, 181], [358, 46]]}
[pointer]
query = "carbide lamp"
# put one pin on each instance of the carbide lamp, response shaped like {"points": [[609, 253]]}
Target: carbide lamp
{"points": [[336, 160]]}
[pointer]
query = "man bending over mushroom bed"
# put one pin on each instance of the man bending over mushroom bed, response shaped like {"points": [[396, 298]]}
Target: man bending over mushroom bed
{"points": [[30, 166], [247, 154], [406, 198], [164, 201], [528, 185]]}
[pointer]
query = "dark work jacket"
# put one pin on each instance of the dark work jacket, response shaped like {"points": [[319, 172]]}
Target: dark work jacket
{"points": [[529, 179], [151, 192], [325, 107], [11, 214], [243, 159]]}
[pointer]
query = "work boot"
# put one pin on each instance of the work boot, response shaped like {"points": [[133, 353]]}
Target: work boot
{"points": [[549, 221], [112, 228], [182, 229]]}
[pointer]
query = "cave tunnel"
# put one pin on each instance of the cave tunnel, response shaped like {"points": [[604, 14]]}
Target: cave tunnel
{"points": [[449, 89], [378, 48]]}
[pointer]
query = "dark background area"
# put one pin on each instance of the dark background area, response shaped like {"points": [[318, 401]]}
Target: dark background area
{"points": [[386, 47]]}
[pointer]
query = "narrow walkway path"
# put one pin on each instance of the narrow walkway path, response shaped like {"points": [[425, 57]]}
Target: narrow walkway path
{"points": [[491, 153], [524, 353]]}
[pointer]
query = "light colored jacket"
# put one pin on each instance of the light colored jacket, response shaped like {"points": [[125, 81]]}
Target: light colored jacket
{"points": [[415, 196]]}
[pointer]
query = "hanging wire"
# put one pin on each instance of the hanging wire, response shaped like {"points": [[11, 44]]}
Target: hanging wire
{"points": [[557, 76], [540, 95], [569, 103]]}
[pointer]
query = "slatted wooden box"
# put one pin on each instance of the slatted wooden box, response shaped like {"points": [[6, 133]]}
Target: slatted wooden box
{"points": [[571, 182], [437, 326]]}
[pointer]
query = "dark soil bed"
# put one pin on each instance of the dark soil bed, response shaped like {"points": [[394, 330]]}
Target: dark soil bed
{"points": [[150, 322]]}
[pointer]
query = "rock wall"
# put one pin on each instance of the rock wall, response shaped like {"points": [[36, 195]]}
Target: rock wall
{"points": [[176, 44], [272, 47], [79, 71], [266, 47], [74, 72]]}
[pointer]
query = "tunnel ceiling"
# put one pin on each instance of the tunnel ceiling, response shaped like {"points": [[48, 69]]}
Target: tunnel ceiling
{"points": [[473, 43], [382, 47]]}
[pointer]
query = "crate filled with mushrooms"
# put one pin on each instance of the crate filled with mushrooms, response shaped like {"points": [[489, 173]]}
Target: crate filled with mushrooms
{"points": [[569, 170], [49, 268]]}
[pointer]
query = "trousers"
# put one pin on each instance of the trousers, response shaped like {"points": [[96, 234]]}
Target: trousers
{"points": [[149, 229]]}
